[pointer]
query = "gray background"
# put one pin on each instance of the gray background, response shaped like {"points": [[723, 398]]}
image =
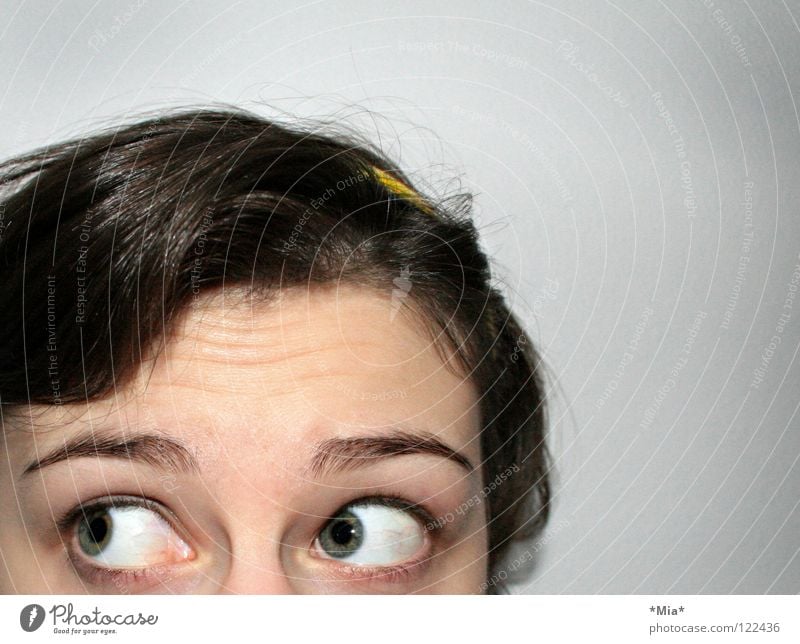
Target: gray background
{"points": [[610, 146]]}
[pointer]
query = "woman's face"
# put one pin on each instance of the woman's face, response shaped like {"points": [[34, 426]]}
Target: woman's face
{"points": [[316, 444]]}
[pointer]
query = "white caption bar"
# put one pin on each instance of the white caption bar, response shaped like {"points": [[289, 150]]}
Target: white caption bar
{"points": [[484, 619]]}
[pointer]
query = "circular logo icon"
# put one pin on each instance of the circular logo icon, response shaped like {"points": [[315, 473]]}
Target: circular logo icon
{"points": [[31, 617]]}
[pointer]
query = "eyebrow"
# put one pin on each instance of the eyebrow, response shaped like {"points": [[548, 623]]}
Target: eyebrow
{"points": [[151, 449], [331, 455], [341, 454]]}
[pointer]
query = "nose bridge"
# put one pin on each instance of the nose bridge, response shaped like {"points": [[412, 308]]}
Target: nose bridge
{"points": [[256, 568], [257, 507]]}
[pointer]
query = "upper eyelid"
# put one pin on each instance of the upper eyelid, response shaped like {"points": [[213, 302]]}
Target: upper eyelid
{"points": [[423, 516], [66, 522], [418, 510], [79, 562]]}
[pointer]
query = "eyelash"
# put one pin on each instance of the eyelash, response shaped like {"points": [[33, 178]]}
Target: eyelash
{"points": [[418, 510], [82, 509], [123, 577], [400, 572], [120, 577]]}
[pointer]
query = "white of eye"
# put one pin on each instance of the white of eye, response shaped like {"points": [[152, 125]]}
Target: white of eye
{"points": [[382, 536], [135, 538]]}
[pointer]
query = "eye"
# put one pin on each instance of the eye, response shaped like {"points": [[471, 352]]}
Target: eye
{"points": [[372, 533], [128, 535]]}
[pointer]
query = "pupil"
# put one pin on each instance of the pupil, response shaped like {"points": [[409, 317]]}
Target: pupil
{"points": [[343, 535], [98, 529], [94, 532], [342, 532]]}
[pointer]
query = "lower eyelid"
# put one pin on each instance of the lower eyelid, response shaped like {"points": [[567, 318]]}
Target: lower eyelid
{"points": [[395, 572], [142, 579], [124, 579], [403, 573], [121, 578]]}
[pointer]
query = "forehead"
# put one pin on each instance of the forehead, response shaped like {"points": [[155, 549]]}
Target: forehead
{"points": [[306, 365]]}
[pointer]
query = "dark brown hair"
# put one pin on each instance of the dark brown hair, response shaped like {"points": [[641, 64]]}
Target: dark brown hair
{"points": [[99, 240]]}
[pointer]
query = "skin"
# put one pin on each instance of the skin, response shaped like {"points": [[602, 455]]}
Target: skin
{"points": [[251, 390]]}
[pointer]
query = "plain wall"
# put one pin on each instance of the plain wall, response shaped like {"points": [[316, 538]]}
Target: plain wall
{"points": [[636, 173]]}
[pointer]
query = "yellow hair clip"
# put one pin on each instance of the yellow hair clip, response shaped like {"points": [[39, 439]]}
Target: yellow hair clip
{"points": [[400, 189]]}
